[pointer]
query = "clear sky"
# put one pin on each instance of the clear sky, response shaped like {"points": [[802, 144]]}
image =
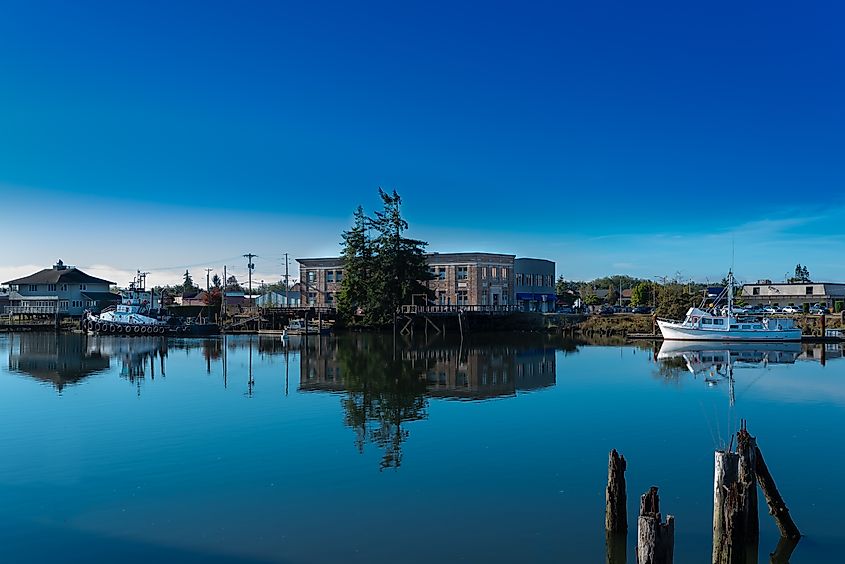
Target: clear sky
{"points": [[611, 137]]}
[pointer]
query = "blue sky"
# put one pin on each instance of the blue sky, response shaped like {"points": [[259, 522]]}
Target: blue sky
{"points": [[611, 137]]}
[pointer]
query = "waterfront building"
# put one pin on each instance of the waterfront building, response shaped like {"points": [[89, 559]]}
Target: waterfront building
{"points": [[290, 298], [457, 279], [535, 284], [62, 290], [766, 292]]}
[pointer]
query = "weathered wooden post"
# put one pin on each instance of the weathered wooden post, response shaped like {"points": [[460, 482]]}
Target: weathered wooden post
{"points": [[725, 470], [655, 540], [747, 479], [616, 512]]}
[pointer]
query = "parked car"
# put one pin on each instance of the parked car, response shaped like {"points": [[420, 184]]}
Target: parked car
{"points": [[641, 309], [819, 310], [791, 309], [566, 309], [606, 310], [771, 309]]}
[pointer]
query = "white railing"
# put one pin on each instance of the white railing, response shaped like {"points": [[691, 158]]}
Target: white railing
{"points": [[33, 310]]}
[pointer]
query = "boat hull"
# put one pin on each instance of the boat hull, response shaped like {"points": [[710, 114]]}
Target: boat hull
{"points": [[677, 332]]}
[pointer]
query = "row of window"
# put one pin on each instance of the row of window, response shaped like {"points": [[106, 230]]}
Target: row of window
{"points": [[523, 279], [50, 287], [808, 290], [462, 272]]}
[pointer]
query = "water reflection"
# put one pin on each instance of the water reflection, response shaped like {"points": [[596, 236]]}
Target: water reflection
{"points": [[66, 359], [386, 387], [54, 359]]}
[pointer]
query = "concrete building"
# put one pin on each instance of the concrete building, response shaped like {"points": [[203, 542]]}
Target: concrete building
{"points": [[535, 284], [61, 287], [458, 279], [766, 292]]}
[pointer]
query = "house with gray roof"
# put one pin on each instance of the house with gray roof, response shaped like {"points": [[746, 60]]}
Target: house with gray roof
{"points": [[62, 290]]}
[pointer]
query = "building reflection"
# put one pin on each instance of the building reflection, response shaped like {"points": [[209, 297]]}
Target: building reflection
{"points": [[65, 359], [57, 359], [385, 388]]}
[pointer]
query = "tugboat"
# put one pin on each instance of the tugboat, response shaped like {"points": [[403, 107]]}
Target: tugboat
{"points": [[131, 317]]}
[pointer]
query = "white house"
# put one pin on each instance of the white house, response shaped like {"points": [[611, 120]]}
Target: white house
{"points": [[61, 287]]}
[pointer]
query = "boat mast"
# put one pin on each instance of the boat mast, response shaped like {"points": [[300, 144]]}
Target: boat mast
{"points": [[730, 292]]}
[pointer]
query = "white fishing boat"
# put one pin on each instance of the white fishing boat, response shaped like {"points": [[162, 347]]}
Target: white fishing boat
{"points": [[130, 317], [715, 324]]}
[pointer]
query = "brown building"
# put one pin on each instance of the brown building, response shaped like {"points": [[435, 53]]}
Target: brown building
{"points": [[463, 279]]}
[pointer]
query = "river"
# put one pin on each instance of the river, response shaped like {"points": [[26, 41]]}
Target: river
{"points": [[359, 448]]}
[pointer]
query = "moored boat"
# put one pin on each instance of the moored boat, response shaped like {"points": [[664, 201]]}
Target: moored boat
{"points": [[130, 317], [724, 324]]}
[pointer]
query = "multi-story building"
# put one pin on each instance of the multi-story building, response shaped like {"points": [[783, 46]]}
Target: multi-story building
{"points": [[471, 279], [535, 284], [460, 279], [798, 293], [61, 287]]}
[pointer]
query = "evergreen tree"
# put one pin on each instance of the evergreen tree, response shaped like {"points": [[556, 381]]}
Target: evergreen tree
{"points": [[232, 284], [188, 285], [357, 257], [215, 281], [384, 272], [400, 263]]}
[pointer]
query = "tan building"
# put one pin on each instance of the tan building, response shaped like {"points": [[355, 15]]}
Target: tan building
{"points": [[766, 292], [460, 279]]}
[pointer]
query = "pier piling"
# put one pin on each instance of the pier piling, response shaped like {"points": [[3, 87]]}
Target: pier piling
{"points": [[655, 540]]}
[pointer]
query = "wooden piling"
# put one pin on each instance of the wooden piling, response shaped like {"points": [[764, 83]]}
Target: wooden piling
{"points": [[655, 540], [747, 477], [616, 546], [777, 507], [731, 548], [616, 499], [725, 470]]}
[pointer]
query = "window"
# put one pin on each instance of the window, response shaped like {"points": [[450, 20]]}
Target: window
{"points": [[51, 287], [494, 272], [484, 272], [33, 287], [83, 287], [462, 273], [504, 272], [462, 297], [329, 298], [519, 279], [329, 276], [311, 276], [808, 290], [312, 298], [756, 290], [706, 321], [441, 273], [338, 276], [718, 322]]}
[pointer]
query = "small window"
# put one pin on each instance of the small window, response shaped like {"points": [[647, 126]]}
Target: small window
{"points": [[756, 290], [706, 321], [462, 273], [338, 276], [33, 287], [311, 276], [51, 287], [718, 322], [494, 272], [329, 276], [329, 298], [808, 290]]}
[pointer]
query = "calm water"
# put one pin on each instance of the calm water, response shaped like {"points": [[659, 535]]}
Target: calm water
{"points": [[348, 450]]}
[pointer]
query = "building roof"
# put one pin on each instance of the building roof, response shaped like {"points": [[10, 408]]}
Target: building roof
{"points": [[59, 273], [435, 258]]}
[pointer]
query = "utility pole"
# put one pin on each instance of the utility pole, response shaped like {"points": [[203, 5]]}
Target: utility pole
{"points": [[223, 307], [142, 279], [250, 266], [287, 284], [208, 280]]}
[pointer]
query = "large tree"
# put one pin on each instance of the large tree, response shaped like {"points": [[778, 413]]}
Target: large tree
{"points": [[383, 272], [642, 294], [357, 257], [188, 285]]}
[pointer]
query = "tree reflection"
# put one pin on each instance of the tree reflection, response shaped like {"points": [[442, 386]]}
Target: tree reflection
{"points": [[382, 394]]}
